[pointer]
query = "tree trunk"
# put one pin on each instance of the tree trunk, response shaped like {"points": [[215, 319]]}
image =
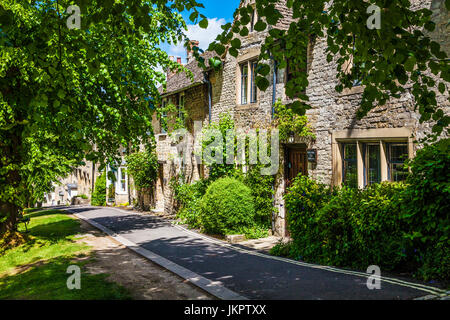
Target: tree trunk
{"points": [[10, 208], [12, 211]]}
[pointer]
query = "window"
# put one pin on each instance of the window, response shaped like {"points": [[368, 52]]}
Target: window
{"points": [[180, 107], [350, 170], [244, 83], [294, 68], [163, 122], [351, 67], [373, 164], [253, 93], [361, 160], [254, 20], [123, 179], [398, 153], [249, 90]]}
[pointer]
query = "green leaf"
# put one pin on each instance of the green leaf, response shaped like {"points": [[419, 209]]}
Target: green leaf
{"points": [[236, 43], [61, 94], [203, 23], [193, 16], [260, 26], [233, 52], [262, 83], [410, 63]]}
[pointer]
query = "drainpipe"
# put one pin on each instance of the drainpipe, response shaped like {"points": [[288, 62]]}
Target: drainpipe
{"points": [[208, 82], [274, 92]]}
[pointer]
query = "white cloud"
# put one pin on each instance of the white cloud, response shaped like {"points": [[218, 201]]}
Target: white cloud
{"points": [[204, 36]]}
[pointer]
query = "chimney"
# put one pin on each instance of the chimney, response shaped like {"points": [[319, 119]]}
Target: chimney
{"points": [[190, 49], [168, 71], [179, 60]]}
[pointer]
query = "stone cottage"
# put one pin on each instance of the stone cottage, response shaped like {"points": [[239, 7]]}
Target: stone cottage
{"points": [[191, 101], [80, 182], [346, 150]]}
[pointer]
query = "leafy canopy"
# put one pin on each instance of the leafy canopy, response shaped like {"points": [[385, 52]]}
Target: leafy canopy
{"points": [[81, 93], [399, 57]]}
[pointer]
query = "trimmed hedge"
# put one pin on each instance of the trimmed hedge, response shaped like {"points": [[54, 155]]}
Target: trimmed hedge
{"points": [[227, 207], [401, 227]]}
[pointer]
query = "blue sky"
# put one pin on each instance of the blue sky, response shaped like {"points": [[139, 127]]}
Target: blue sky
{"points": [[218, 12]]}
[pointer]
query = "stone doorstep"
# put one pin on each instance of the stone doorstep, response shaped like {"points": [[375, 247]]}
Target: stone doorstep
{"points": [[235, 238]]}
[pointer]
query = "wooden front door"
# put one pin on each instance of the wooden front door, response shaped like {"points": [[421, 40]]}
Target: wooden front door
{"points": [[296, 162]]}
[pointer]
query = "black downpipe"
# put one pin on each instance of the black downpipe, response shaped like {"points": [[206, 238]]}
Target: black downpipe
{"points": [[208, 82]]}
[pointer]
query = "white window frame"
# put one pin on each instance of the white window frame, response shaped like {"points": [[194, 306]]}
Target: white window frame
{"points": [[119, 189], [250, 86]]}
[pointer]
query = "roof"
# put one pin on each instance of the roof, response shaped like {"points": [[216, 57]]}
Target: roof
{"points": [[180, 80]]}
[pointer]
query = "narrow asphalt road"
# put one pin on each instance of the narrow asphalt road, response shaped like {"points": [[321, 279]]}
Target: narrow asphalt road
{"points": [[248, 273]]}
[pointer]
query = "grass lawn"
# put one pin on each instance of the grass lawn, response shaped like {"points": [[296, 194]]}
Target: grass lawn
{"points": [[37, 268]]}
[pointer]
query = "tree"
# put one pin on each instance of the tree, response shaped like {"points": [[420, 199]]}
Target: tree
{"points": [[99, 193], [41, 169], [385, 60], [83, 87], [143, 167]]}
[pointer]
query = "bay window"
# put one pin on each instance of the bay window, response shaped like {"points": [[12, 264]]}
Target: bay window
{"points": [[362, 157]]}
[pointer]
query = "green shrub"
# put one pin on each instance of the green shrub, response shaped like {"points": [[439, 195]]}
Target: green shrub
{"points": [[426, 208], [99, 194], [359, 228], [111, 191], [303, 199], [255, 232], [399, 227], [189, 197], [285, 249], [83, 196], [143, 167], [227, 207], [262, 192]]}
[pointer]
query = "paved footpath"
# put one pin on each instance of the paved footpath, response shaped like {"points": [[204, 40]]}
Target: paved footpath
{"points": [[234, 272]]}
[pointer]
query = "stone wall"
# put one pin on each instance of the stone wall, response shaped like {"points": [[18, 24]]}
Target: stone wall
{"points": [[81, 177], [331, 111], [197, 109]]}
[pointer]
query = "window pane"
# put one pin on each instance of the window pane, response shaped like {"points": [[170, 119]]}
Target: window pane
{"points": [[253, 83], [244, 83], [398, 155], [350, 166], [373, 164], [253, 22]]}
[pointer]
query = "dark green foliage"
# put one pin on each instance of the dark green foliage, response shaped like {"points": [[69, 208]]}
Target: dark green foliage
{"points": [[395, 226], [303, 200], [262, 191], [143, 167], [218, 170], [227, 207], [426, 209], [189, 197], [99, 194], [359, 228]]}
